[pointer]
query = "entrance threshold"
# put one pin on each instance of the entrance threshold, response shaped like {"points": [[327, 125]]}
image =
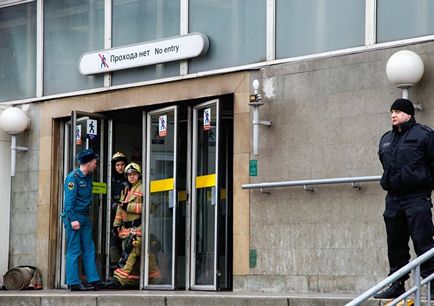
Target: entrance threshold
{"points": [[141, 297]]}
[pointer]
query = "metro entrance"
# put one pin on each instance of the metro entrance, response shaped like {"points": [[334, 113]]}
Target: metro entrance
{"points": [[186, 155]]}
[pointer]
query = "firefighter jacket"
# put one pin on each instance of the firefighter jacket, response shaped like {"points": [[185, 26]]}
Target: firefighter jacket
{"points": [[129, 217], [407, 157]]}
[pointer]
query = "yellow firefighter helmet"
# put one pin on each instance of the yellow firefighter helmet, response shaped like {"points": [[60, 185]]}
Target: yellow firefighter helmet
{"points": [[119, 156], [133, 167]]}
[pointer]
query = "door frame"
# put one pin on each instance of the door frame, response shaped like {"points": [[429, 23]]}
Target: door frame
{"points": [[146, 181], [193, 284], [190, 226], [68, 145]]}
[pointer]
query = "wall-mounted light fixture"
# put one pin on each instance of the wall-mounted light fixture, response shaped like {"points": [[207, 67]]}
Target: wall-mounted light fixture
{"points": [[14, 121], [404, 69], [256, 102]]}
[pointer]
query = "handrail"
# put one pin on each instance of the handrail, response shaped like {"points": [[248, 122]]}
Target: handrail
{"points": [[413, 265], [340, 180]]}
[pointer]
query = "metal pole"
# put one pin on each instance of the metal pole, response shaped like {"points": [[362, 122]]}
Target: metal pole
{"points": [[416, 280], [395, 276], [255, 130], [13, 154], [405, 93], [341, 180]]}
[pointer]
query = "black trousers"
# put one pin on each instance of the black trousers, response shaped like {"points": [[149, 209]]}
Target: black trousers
{"points": [[408, 216]]}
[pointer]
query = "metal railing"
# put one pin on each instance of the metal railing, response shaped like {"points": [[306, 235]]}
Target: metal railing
{"points": [[412, 266], [415, 289], [306, 183]]}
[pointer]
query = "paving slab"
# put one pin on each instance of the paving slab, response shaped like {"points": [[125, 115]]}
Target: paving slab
{"points": [[171, 298]]}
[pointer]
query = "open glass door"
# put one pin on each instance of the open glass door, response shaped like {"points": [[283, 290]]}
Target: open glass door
{"points": [[89, 131], [205, 196], [161, 198]]}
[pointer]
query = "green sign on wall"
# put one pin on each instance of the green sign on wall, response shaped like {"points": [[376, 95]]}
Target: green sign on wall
{"points": [[252, 259], [253, 167]]}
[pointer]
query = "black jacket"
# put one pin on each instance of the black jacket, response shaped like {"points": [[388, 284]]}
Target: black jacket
{"points": [[407, 157], [119, 182]]}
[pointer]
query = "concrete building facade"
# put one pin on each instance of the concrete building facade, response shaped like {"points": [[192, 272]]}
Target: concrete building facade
{"points": [[328, 111]]}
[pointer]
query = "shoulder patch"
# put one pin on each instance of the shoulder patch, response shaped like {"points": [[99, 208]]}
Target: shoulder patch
{"points": [[70, 185]]}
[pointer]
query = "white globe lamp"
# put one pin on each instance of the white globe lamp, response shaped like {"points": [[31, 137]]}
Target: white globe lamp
{"points": [[404, 70], [14, 121]]}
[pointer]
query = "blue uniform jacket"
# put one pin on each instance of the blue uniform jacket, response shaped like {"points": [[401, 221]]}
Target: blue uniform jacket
{"points": [[78, 195]]}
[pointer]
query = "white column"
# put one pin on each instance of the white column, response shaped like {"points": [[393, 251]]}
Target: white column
{"points": [[5, 201]]}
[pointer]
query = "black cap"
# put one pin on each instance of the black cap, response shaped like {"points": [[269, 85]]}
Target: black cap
{"points": [[404, 105], [86, 156]]}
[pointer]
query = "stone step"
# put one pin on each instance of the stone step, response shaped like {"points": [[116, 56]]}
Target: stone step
{"points": [[172, 298]]}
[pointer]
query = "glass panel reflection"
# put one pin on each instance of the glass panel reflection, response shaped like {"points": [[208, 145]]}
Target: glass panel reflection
{"points": [[161, 210], [205, 196], [71, 28], [415, 19], [18, 51]]}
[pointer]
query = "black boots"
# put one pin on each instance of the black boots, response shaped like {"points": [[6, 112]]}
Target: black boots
{"points": [[113, 283], [81, 287], [88, 286], [394, 290], [98, 285]]}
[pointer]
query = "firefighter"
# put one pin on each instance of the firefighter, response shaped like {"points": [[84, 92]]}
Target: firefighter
{"points": [[118, 183], [127, 226]]}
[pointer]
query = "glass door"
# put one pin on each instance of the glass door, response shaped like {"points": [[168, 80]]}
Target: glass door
{"points": [[161, 199], [89, 131], [205, 195]]}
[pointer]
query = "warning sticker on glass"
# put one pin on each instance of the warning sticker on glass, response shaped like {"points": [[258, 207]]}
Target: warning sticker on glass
{"points": [[162, 126], [207, 119], [78, 134], [91, 128]]}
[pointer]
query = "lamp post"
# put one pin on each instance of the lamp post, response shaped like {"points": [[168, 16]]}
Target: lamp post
{"points": [[256, 102], [14, 121], [404, 69]]}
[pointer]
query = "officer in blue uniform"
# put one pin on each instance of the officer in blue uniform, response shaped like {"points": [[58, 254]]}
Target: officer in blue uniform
{"points": [[78, 226]]}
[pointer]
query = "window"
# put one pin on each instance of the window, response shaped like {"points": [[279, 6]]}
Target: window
{"points": [[4, 3], [407, 19], [72, 27], [236, 31], [141, 21], [18, 51], [314, 26]]}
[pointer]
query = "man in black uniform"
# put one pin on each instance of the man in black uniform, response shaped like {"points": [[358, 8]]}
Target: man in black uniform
{"points": [[407, 155]]}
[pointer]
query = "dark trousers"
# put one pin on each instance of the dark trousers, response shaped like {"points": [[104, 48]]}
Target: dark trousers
{"points": [[409, 216]]}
